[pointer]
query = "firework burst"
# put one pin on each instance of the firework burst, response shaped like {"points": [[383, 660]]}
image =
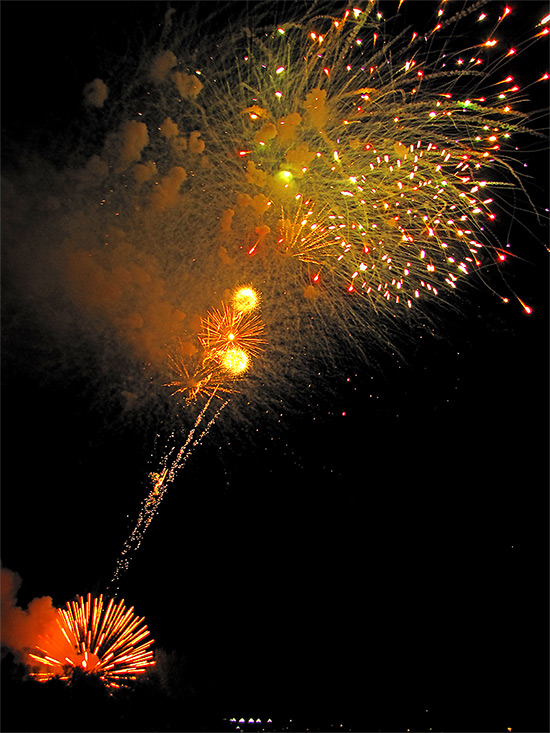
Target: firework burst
{"points": [[226, 328], [229, 338], [205, 380], [396, 145], [97, 637], [308, 235], [352, 168], [245, 299], [351, 171]]}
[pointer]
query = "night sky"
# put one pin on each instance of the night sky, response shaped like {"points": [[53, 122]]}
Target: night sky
{"points": [[373, 556]]}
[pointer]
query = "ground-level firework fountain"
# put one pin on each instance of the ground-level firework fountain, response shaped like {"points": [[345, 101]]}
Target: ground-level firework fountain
{"points": [[98, 637]]}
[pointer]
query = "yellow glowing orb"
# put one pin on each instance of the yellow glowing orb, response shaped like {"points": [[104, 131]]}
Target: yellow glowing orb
{"points": [[245, 299], [285, 180], [235, 360]]}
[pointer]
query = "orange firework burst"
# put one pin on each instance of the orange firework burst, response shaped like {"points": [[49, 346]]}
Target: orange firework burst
{"points": [[227, 329], [230, 337], [235, 360], [107, 641]]}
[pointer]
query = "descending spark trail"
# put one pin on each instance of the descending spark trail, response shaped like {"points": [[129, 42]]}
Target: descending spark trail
{"points": [[170, 465]]}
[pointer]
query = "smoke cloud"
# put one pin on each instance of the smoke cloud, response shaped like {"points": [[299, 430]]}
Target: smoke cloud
{"points": [[21, 628], [95, 93]]}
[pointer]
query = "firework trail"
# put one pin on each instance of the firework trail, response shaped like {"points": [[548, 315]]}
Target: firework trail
{"points": [[170, 465], [230, 338], [98, 637]]}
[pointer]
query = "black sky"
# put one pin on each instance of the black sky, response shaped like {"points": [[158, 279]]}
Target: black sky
{"points": [[379, 559]]}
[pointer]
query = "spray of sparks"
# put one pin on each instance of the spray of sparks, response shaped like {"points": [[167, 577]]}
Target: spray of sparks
{"points": [[352, 171], [382, 155], [98, 637]]}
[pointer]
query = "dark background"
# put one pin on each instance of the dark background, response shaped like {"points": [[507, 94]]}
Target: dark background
{"points": [[378, 561]]}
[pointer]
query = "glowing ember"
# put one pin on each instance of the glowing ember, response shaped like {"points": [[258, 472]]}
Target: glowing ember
{"points": [[245, 299], [235, 360]]}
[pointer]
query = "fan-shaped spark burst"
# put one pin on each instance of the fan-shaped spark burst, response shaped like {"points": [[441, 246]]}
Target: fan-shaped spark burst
{"points": [[310, 236], [99, 637], [206, 380]]}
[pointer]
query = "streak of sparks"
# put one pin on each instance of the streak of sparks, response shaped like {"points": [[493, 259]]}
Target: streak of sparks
{"points": [[171, 464]]}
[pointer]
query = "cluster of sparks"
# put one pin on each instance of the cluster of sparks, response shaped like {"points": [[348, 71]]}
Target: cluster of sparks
{"points": [[230, 337], [97, 637]]}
